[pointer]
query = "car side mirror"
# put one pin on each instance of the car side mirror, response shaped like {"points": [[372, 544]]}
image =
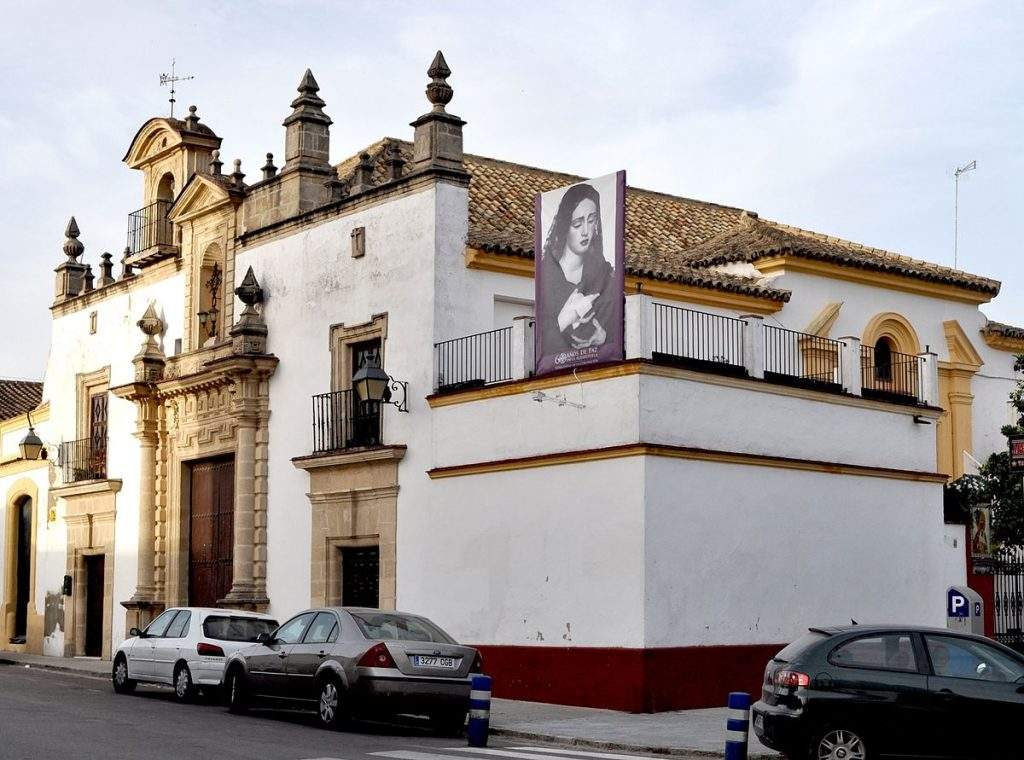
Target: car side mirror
{"points": [[265, 638], [136, 632]]}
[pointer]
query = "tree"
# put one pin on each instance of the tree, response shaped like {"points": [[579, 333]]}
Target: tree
{"points": [[994, 485]]}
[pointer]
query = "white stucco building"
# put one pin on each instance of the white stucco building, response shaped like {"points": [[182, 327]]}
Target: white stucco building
{"points": [[769, 454]]}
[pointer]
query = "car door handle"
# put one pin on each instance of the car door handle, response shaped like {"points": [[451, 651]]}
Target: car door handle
{"points": [[321, 654], [282, 655], [946, 694]]}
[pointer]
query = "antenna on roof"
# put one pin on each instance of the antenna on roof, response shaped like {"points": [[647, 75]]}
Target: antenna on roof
{"points": [[956, 205], [171, 79]]}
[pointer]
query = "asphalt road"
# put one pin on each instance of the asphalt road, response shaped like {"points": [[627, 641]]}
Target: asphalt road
{"points": [[50, 715]]}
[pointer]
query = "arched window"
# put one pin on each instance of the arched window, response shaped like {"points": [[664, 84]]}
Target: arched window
{"points": [[165, 190], [883, 358], [211, 296]]}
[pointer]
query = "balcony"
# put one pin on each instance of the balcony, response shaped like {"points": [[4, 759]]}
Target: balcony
{"points": [[342, 421], [151, 233], [83, 459], [711, 343]]}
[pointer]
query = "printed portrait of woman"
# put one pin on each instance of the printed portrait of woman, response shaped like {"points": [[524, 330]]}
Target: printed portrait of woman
{"points": [[579, 293]]}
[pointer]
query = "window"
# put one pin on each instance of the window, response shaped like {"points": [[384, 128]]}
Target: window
{"points": [[291, 632], [159, 626], [179, 628], [885, 652], [962, 658], [229, 628], [883, 359], [394, 626], [323, 630]]}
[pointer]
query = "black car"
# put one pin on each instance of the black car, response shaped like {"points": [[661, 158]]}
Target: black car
{"points": [[860, 692]]}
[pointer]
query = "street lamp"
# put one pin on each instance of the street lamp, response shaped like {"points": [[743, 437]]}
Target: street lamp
{"points": [[371, 383], [31, 445]]}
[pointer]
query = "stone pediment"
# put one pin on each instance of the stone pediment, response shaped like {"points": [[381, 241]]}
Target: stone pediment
{"points": [[199, 196], [159, 136]]}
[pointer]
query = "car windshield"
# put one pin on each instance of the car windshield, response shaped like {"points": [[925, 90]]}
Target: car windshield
{"points": [[800, 646], [230, 628], [396, 627]]}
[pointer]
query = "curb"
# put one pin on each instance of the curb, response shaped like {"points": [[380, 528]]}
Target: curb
{"points": [[574, 741], [55, 667]]}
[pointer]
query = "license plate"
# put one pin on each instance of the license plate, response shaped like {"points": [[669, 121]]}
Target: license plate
{"points": [[429, 661]]}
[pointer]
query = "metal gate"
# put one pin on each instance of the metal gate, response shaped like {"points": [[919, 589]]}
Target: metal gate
{"points": [[1008, 574]]}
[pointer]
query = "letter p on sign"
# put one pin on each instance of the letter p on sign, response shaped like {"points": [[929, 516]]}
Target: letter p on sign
{"points": [[957, 605]]}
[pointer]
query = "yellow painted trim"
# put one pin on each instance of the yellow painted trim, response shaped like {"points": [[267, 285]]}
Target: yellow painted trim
{"points": [[778, 265], [40, 414], [822, 323], [17, 465], [1004, 343], [680, 452], [640, 367], [961, 350], [23, 487], [894, 326], [661, 289]]}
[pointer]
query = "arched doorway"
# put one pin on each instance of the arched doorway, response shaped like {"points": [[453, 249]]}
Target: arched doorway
{"points": [[22, 567], [165, 190]]}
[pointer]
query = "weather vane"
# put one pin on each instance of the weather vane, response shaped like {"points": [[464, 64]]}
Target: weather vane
{"points": [[172, 79]]}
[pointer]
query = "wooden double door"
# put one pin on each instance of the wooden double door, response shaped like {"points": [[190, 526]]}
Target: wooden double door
{"points": [[211, 531]]}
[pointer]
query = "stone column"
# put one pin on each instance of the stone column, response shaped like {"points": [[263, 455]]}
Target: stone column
{"points": [[242, 586], [753, 344], [145, 588]]}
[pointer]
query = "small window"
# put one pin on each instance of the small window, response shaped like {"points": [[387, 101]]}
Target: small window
{"points": [[885, 652], [92, 323], [291, 632], [883, 359], [158, 626], [321, 629], [179, 628], [963, 658]]}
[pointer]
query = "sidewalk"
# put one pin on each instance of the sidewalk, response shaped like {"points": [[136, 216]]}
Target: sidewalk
{"points": [[684, 734]]}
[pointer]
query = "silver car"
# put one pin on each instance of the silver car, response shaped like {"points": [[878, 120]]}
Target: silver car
{"points": [[350, 661], [185, 647]]}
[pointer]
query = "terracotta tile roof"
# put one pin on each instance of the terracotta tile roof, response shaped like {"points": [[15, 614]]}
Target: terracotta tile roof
{"points": [[667, 237], [1005, 331], [755, 238], [18, 397]]}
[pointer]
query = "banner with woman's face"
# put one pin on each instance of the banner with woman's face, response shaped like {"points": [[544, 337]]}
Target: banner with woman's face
{"points": [[579, 276]]}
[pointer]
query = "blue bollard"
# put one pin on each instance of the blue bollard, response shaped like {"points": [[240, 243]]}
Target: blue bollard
{"points": [[479, 711], [737, 726]]}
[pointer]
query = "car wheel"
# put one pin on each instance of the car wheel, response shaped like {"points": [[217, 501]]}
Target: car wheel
{"points": [[449, 723], [839, 743], [237, 696], [119, 675], [184, 690], [330, 708]]}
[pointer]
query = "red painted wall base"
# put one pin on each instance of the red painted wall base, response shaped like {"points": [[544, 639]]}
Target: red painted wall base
{"points": [[634, 680]]}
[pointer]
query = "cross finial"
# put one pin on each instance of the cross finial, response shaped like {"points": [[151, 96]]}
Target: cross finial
{"points": [[439, 92], [172, 79]]}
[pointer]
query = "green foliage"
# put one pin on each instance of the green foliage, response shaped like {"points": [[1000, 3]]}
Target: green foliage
{"points": [[994, 484]]}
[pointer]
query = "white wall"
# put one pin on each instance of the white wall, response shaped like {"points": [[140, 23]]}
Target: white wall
{"points": [[754, 555], [311, 282], [74, 351], [954, 539], [550, 556]]}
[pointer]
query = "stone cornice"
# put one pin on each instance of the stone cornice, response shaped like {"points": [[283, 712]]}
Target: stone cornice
{"points": [[86, 487], [350, 458], [375, 196], [151, 274]]}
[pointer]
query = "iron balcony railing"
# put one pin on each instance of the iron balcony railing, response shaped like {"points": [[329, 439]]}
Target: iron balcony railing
{"points": [[802, 359], [149, 227], [897, 378], [474, 360], [342, 421], [84, 459], [697, 339]]}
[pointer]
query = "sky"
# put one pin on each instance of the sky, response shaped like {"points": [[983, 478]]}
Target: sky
{"points": [[845, 118]]}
